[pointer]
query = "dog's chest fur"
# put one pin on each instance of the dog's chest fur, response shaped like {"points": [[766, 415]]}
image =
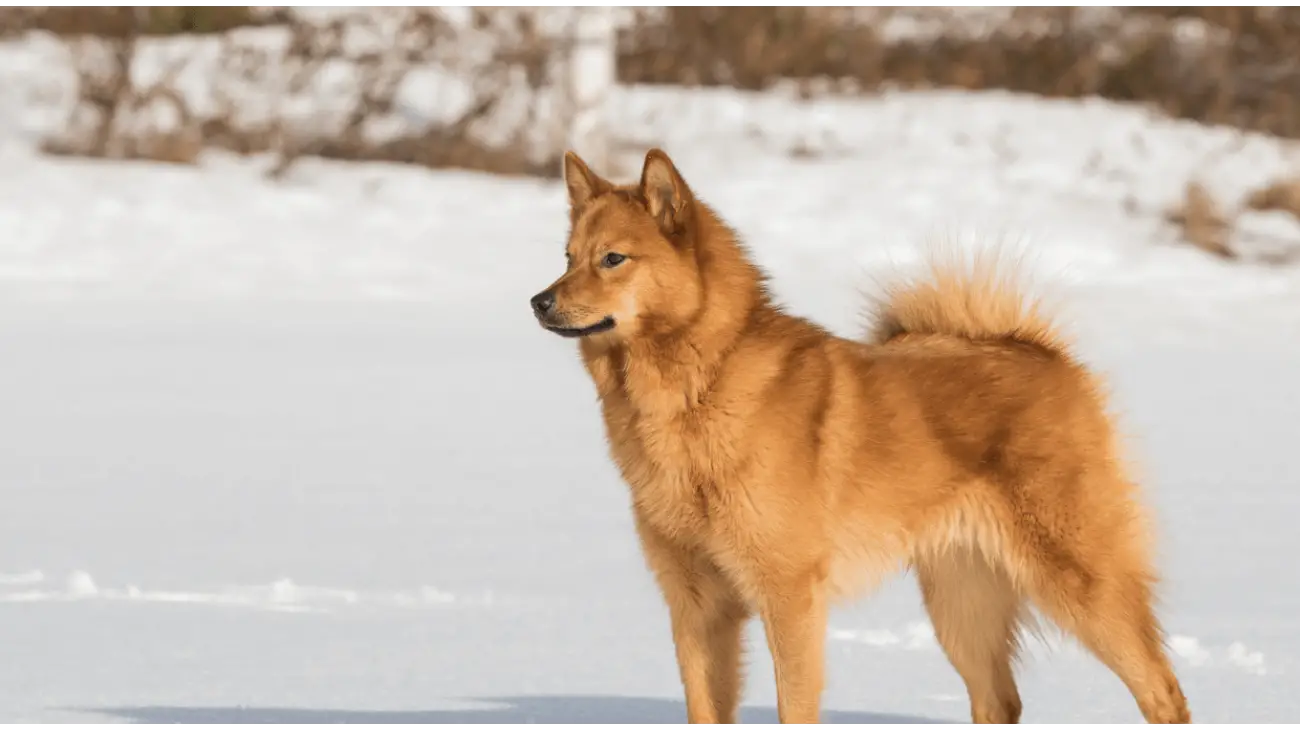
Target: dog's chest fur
{"points": [[676, 447]]}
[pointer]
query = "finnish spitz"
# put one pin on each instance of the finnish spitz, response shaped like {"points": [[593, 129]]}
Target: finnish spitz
{"points": [[775, 467]]}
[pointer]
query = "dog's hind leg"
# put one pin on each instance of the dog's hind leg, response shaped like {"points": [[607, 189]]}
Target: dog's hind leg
{"points": [[1100, 590], [1114, 620], [975, 611]]}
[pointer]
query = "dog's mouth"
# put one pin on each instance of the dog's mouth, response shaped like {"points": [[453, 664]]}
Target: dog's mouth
{"points": [[603, 325]]}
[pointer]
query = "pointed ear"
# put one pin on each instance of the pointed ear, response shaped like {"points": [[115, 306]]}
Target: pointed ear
{"points": [[666, 194], [583, 184]]}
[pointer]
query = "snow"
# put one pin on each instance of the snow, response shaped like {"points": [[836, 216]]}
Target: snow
{"points": [[296, 451]]}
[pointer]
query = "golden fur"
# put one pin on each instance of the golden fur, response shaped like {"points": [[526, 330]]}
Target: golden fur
{"points": [[774, 467]]}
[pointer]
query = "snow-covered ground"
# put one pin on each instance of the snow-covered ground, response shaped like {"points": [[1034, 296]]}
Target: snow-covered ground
{"points": [[296, 451]]}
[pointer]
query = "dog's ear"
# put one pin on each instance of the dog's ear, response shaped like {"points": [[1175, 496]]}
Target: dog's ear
{"points": [[667, 197], [583, 184]]}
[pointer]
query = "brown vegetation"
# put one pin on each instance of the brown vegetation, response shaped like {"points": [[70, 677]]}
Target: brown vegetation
{"points": [[1217, 65], [1201, 222], [123, 22]]}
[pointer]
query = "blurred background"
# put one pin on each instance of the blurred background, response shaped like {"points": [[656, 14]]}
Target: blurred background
{"points": [[282, 441]]}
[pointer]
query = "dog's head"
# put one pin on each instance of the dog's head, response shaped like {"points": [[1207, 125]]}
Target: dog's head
{"points": [[631, 265]]}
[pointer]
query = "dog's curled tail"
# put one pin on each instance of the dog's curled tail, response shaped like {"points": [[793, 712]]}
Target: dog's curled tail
{"points": [[981, 300]]}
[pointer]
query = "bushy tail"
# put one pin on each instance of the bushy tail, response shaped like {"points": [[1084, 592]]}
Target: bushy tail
{"points": [[979, 299]]}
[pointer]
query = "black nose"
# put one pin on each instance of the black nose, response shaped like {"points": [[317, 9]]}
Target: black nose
{"points": [[543, 302]]}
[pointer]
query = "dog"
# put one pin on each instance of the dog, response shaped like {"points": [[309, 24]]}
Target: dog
{"points": [[775, 467]]}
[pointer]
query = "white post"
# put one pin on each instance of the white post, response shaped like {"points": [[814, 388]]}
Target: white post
{"points": [[592, 77], [458, 12]]}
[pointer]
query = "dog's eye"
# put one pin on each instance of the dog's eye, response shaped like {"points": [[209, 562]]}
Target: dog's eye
{"points": [[612, 259]]}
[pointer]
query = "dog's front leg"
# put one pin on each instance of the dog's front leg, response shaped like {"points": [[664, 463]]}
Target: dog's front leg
{"points": [[708, 620], [707, 636], [794, 617]]}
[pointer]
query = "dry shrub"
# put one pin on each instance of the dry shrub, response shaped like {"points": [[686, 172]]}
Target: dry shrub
{"points": [[392, 85], [1283, 195], [1226, 65], [124, 22], [1201, 222], [747, 47]]}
